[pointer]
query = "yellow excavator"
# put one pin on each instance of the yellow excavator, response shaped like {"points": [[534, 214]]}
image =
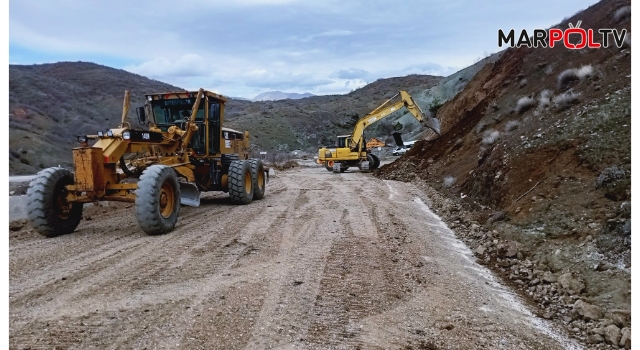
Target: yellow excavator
{"points": [[351, 150]]}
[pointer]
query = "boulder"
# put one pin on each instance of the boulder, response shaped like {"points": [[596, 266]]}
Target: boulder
{"points": [[612, 334], [571, 284], [625, 338], [595, 339], [621, 318], [16, 225], [587, 311], [511, 249], [549, 277]]}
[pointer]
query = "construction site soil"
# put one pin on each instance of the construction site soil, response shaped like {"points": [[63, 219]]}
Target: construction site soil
{"points": [[303, 268]]}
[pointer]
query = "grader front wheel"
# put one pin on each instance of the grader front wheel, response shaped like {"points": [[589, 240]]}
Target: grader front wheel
{"points": [[157, 200], [48, 210], [241, 188]]}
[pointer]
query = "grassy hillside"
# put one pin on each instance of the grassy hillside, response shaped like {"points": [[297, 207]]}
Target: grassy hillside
{"points": [[50, 104]]}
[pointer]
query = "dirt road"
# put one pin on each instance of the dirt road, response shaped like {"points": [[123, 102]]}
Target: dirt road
{"points": [[324, 261]]}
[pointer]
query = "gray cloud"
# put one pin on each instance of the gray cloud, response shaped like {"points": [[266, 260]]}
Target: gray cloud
{"points": [[245, 47], [351, 73]]}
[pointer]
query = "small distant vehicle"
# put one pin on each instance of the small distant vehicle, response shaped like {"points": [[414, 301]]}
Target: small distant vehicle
{"points": [[400, 150]]}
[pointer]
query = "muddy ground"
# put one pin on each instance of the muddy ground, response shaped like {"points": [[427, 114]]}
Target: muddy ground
{"points": [[340, 261]]}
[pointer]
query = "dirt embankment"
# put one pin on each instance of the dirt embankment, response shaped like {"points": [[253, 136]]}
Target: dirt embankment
{"points": [[341, 261], [537, 152]]}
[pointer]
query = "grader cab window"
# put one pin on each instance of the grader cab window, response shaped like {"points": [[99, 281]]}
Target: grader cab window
{"points": [[175, 111], [168, 112]]}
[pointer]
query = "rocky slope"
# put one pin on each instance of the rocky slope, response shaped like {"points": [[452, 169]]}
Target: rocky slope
{"points": [[534, 172]]}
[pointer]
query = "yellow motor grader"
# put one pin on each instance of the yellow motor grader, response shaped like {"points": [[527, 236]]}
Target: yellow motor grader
{"points": [[184, 151]]}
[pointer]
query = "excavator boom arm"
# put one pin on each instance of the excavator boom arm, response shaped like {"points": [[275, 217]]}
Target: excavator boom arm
{"points": [[384, 110]]}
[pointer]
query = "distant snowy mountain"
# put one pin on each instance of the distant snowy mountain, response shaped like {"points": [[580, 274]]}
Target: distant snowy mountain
{"points": [[240, 98], [279, 95]]}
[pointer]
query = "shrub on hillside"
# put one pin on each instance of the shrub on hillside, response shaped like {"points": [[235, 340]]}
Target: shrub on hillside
{"points": [[511, 125], [609, 175], [573, 74], [622, 13], [448, 181], [565, 100], [524, 104], [544, 101], [435, 106], [490, 137]]}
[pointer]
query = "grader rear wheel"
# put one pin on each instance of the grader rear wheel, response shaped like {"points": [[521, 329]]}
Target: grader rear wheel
{"points": [[259, 180], [158, 200], [48, 210]]}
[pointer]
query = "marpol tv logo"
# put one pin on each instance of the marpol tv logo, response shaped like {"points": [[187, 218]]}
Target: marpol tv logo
{"points": [[573, 38]]}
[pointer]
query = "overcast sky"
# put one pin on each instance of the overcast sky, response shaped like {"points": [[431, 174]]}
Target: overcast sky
{"points": [[246, 47]]}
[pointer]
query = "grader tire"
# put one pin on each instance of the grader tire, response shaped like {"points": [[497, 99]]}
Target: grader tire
{"points": [[259, 181], [47, 209], [240, 182], [157, 200]]}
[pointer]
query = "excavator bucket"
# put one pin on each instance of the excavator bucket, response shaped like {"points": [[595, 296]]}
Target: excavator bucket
{"points": [[433, 124], [189, 194]]}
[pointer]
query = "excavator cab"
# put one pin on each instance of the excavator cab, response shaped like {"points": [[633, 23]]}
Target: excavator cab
{"points": [[342, 141]]}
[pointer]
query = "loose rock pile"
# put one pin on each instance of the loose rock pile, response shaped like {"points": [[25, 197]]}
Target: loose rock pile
{"points": [[558, 296]]}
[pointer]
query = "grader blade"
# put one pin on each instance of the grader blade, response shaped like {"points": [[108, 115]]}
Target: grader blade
{"points": [[189, 194]]}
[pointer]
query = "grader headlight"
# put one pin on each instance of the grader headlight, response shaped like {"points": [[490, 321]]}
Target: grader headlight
{"points": [[126, 135]]}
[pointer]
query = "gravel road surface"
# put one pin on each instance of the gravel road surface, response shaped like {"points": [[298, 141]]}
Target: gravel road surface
{"points": [[324, 261]]}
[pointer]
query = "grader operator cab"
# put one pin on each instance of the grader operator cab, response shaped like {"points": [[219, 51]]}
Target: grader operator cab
{"points": [[184, 151]]}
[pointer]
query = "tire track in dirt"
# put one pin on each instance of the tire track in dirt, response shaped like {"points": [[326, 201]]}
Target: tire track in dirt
{"points": [[121, 262], [307, 233], [232, 330], [103, 276]]}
